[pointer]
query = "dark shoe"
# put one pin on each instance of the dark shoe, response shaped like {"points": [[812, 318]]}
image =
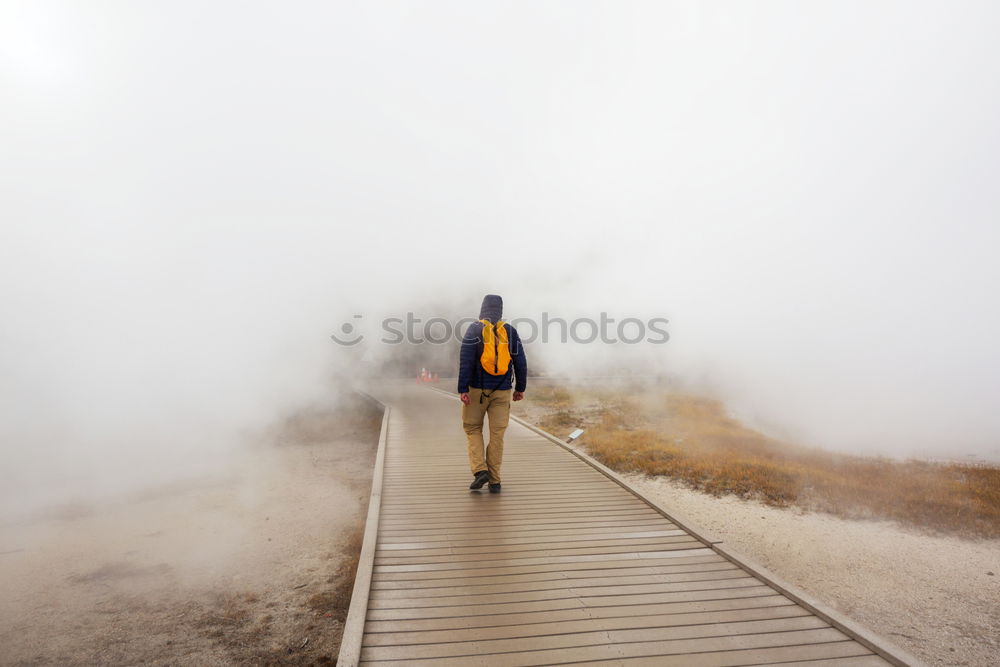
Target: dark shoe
{"points": [[482, 477], [495, 488]]}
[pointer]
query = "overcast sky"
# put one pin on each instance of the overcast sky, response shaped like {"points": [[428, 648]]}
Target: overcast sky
{"points": [[194, 195]]}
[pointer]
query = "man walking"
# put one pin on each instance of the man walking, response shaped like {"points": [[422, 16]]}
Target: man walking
{"points": [[491, 356]]}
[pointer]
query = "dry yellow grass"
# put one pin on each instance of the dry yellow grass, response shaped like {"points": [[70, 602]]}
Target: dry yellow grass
{"points": [[694, 440]]}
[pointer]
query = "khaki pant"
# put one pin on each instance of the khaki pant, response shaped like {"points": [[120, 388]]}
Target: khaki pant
{"points": [[497, 406]]}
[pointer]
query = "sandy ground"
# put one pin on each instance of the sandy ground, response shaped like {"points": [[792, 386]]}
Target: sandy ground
{"points": [[255, 567], [936, 597]]}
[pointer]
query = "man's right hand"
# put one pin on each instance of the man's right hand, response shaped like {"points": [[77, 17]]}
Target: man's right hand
{"points": [[465, 398]]}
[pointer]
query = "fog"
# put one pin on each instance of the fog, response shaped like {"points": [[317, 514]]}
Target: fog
{"points": [[194, 196]]}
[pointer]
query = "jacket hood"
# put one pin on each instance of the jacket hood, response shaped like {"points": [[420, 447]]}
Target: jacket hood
{"points": [[492, 309]]}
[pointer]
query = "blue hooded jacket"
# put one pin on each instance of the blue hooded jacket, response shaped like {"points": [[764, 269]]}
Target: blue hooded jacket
{"points": [[470, 371]]}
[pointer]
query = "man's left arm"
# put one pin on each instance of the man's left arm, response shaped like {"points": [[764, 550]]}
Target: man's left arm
{"points": [[520, 364]]}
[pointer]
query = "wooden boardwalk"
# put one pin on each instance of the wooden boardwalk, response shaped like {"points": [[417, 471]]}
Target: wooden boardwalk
{"points": [[564, 566]]}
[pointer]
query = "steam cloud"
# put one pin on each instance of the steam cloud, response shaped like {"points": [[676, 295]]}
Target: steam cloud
{"points": [[194, 196]]}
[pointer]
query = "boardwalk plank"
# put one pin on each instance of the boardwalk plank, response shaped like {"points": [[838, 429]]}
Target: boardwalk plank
{"points": [[530, 582], [509, 541], [574, 614], [519, 552], [592, 638], [473, 609], [587, 625], [421, 600], [791, 644], [553, 565]]}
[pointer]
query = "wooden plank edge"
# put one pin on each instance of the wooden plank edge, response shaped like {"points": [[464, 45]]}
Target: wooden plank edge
{"points": [[870, 640], [357, 612]]}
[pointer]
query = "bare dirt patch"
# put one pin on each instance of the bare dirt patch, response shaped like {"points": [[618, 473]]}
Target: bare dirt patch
{"points": [[254, 566]]}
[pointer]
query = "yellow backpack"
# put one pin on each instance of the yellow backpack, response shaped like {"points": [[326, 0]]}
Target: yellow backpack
{"points": [[496, 348]]}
